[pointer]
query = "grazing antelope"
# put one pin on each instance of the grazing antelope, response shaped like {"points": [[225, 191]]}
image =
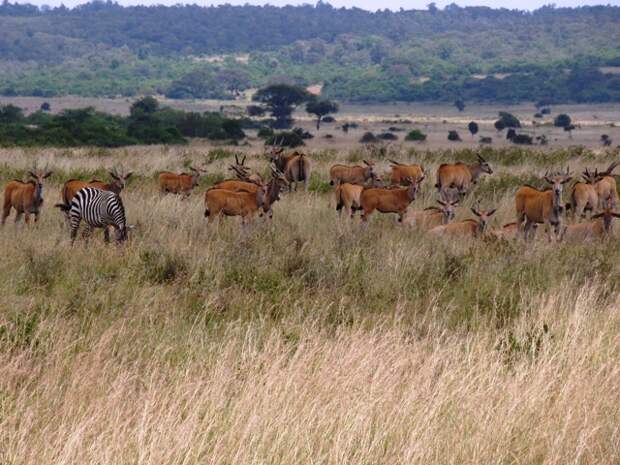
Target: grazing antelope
{"points": [[25, 197], [431, 216], [467, 228], [243, 172], [401, 172], [599, 227], [273, 187], [219, 202], [348, 196], [183, 183], [296, 167], [460, 175], [384, 200], [606, 188], [72, 186], [508, 231], [583, 197], [99, 209], [340, 174], [534, 206]]}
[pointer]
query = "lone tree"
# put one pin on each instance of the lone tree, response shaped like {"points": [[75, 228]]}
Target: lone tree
{"points": [[562, 121], [45, 106], [605, 140], [459, 104], [499, 125], [321, 108], [281, 100], [473, 128], [509, 120], [145, 105]]}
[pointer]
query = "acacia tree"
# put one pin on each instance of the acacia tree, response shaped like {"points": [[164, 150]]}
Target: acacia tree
{"points": [[473, 128], [321, 108], [281, 100]]}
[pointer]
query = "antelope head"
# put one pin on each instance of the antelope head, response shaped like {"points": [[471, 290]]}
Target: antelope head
{"points": [[557, 182], [447, 208], [483, 217], [484, 165]]}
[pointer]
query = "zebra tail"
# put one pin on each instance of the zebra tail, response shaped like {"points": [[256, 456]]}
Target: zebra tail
{"points": [[63, 207]]}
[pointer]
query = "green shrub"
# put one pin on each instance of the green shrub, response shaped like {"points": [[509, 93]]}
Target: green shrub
{"points": [[415, 135]]}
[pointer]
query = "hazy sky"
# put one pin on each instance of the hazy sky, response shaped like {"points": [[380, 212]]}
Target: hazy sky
{"points": [[366, 4]]}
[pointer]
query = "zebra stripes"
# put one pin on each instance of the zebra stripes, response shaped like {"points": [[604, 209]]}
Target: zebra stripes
{"points": [[99, 209]]}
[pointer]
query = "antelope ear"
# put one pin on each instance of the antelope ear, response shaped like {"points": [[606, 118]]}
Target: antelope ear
{"points": [[617, 215], [113, 175], [455, 203], [567, 179], [599, 215], [421, 178], [490, 212], [441, 202], [128, 175], [475, 212], [47, 175], [32, 174]]}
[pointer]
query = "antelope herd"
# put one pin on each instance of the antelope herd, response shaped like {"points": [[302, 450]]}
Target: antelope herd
{"points": [[356, 188]]}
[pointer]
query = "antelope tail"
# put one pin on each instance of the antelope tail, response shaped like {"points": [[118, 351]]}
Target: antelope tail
{"points": [[339, 201], [207, 213], [302, 168], [63, 207]]}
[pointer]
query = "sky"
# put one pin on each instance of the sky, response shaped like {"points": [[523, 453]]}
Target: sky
{"points": [[371, 5]]}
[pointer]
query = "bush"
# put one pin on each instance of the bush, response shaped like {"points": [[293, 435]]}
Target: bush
{"points": [[562, 121], [285, 139], [509, 120], [328, 119], [454, 136], [264, 132], [368, 138], [511, 134], [387, 136], [522, 139], [416, 135]]}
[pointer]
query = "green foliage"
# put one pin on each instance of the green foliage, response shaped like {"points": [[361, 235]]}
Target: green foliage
{"points": [[281, 100], [368, 138], [321, 108], [146, 124], [194, 52], [509, 120], [265, 132], [415, 135], [562, 121], [285, 139]]}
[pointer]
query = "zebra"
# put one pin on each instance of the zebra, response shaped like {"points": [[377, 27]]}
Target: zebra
{"points": [[99, 209]]}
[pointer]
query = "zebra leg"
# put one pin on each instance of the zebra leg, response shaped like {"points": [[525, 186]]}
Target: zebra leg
{"points": [[74, 231]]}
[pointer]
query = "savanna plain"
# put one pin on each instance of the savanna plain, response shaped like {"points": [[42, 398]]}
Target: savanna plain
{"points": [[306, 338]]}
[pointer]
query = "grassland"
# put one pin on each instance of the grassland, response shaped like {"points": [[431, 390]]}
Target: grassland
{"points": [[307, 339]]}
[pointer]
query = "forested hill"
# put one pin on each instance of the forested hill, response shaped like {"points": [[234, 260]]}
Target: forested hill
{"points": [[106, 49]]}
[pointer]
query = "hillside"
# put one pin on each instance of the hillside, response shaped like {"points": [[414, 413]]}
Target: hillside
{"points": [[474, 53]]}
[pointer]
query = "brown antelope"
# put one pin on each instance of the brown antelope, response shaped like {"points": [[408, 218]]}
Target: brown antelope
{"points": [[460, 175], [401, 172], [296, 167], [583, 197], [273, 187], [606, 188], [467, 228], [340, 174], [599, 227], [348, 196], [220, 202], [508, 231], [534, 206], [25, 197], [395, 200], [431, 216], [183, 183], [243, 172], [71, 187]]}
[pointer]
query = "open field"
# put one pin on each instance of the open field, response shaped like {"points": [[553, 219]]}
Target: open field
{"points": [[435, 120], [307, 339]]}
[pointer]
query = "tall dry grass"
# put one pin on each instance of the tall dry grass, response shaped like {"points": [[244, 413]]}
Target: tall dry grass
{"points": [[304, 340]]}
